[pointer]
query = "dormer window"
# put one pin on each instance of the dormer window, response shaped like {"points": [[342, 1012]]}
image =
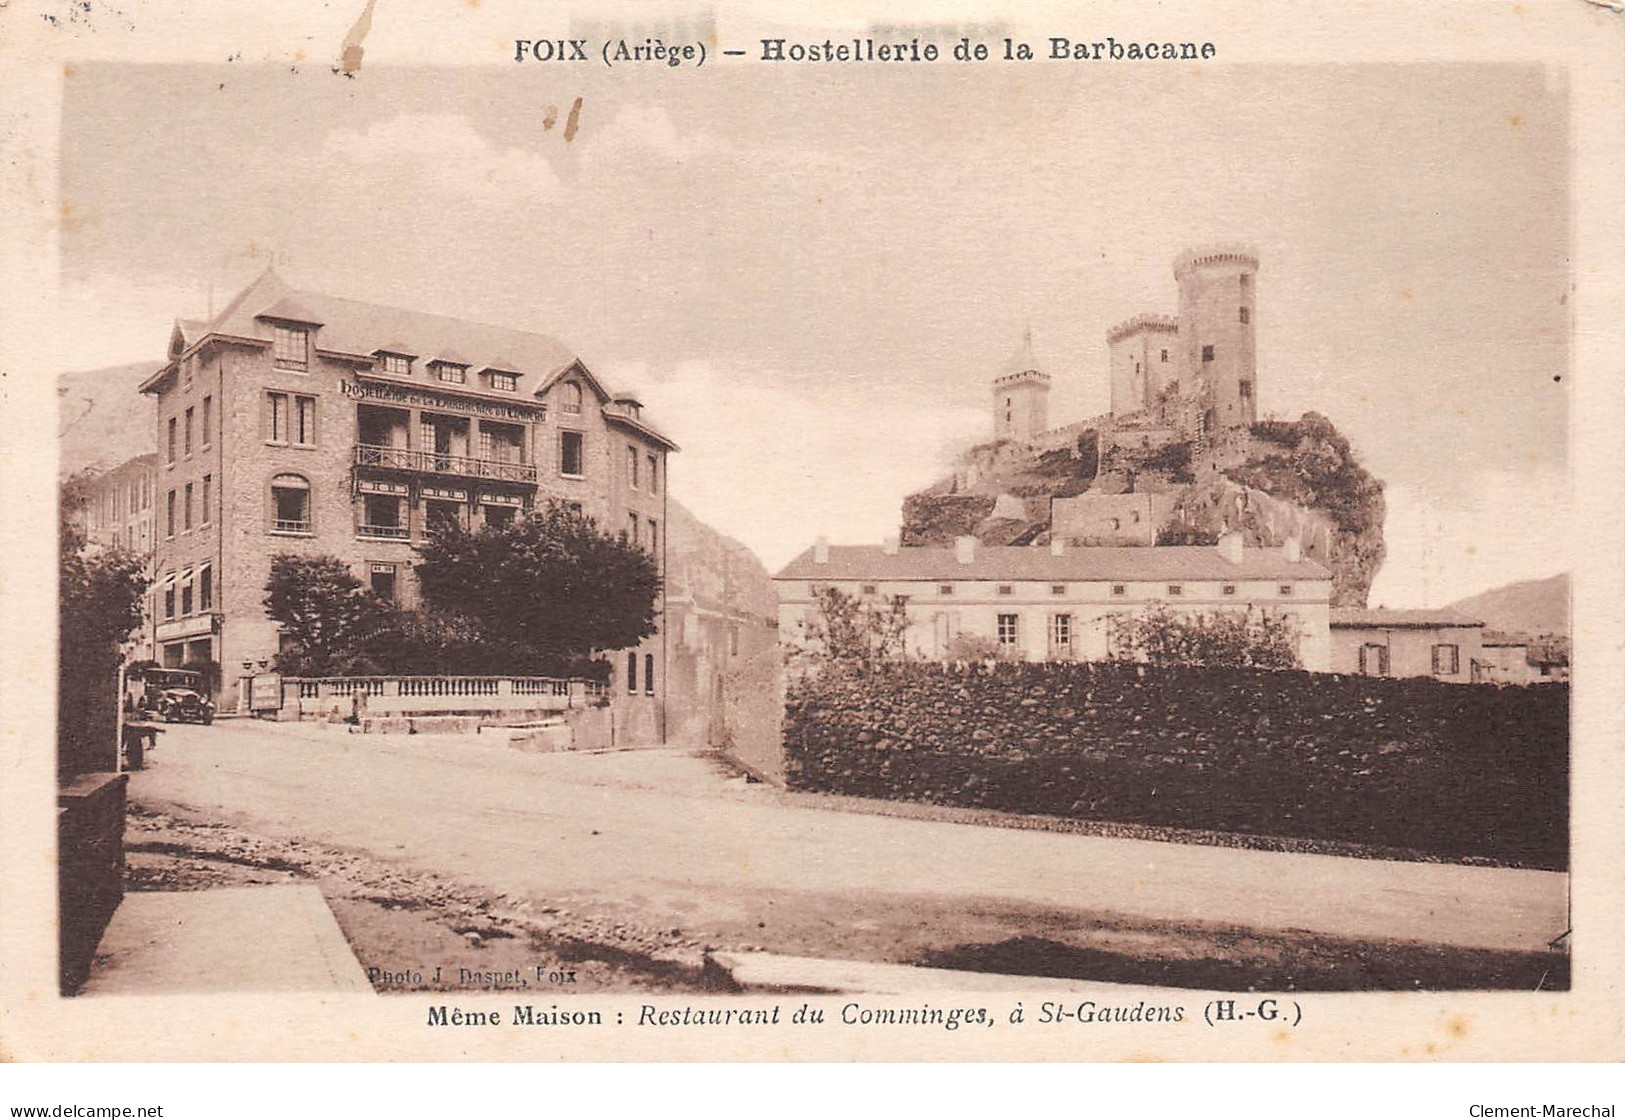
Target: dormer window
{"points": [[396, 365], [507, 382], [291, 347], [451, 373], [572, 398]]}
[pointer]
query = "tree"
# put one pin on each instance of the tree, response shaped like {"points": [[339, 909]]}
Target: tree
{"points": [[327, 616], [1232, 639], [100, 594], [851, 634], [550, 584]]}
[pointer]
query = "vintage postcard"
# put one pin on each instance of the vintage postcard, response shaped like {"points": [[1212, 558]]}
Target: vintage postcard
{"points": [[923, 532]]}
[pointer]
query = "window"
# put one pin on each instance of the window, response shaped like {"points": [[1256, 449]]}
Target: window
{"points": [[208, 499], [186, 438], [632, 528], [632, 672], [1446, 660], [304, 427], [1228, 589], [205, 588], [1060, 630], [500, 517], [169, 525], [488, 445], [186, 523], [1119, 589], [276, 418], [648, 674], [1175, 590], [451, 373], [1246, 315], [632, 466], [1006, 589], [654, 535], [507, 382], [733, 639], [1285, 589], [1057, 589], [381, 517], [1374, 660], [383, 581], [169, 457], [290, 504], [169, 595], [1246, 388], [186, 592], [570, 454], [1165, 355], [1207, 353], [654, 467], [945, 589], [871, 589], [397, 365], [1009, 629], [291, 348], [572, 398], [207, 434]]}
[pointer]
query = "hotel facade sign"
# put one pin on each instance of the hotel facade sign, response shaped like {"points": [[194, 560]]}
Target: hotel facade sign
{"points": [[396, 394]]}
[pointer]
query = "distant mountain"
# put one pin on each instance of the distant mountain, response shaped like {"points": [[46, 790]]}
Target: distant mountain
{"points": [[1536, 606], [102, 420]]}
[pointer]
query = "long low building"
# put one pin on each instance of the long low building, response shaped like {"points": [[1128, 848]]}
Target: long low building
{"points": [[1057, 603], [1442, 644]]}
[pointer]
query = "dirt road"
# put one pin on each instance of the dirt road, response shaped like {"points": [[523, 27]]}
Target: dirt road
{"points": [[661, 840]]}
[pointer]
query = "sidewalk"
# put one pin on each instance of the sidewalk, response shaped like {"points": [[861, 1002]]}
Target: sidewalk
{"points": [[235, 939]]}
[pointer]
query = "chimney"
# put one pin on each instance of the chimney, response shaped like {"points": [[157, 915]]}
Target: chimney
{"points": [[890, 546], [821, 551], [1293, 549], [1057, 546], [965, 549], [1230, 546]]}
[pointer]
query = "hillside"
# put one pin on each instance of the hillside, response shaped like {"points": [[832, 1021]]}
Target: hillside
{"points": [[1536, 606], [102, 420], [711, 567], [1280, 478]]}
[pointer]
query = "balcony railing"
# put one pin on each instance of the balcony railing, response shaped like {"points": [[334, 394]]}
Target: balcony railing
{"points": [[435, 462], [283, 525], [384, 532]]}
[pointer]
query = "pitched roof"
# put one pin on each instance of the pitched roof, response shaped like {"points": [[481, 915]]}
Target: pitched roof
{"points": [[1023, 360], [1010, 562], [355, 327], [1383, 619]]}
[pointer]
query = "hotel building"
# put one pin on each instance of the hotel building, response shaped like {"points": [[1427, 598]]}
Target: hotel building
{"points": [[300, 422]]}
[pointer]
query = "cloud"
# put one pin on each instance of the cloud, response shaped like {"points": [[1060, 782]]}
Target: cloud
{"points": [[775, 466], [639, 133], [446, 155]]}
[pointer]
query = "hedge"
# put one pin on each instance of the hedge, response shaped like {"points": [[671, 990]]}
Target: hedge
{"points": [[1444, 770]]}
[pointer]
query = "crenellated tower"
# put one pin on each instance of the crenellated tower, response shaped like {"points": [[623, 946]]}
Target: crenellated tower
{"points": [[1218, 315], [1021, 396], [1145, 361]]}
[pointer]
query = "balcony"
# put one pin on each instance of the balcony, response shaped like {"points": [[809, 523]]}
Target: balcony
{"points": [[384, 532], [438, 463]]}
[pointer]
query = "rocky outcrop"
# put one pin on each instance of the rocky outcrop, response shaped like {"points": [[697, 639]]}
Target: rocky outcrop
{"points": [[1280, 480]]}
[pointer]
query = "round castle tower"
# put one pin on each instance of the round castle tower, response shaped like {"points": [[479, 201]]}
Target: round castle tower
{"points": [[1217, 322], [1021, 397]]}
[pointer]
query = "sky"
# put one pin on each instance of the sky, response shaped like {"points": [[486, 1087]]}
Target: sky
{"points": [[811, 280]]}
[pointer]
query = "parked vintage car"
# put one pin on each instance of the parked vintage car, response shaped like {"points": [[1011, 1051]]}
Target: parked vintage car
{"points": [[172, 695]]}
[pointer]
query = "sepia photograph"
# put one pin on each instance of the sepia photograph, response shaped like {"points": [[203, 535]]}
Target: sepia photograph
{"points": [[694, 521]]}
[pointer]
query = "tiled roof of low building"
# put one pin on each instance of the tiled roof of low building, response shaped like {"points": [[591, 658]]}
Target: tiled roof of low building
{"points": [[996, 562], [1381, 619]]}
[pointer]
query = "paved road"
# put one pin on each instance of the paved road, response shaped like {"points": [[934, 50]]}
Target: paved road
{"points": [[665, 840]]}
